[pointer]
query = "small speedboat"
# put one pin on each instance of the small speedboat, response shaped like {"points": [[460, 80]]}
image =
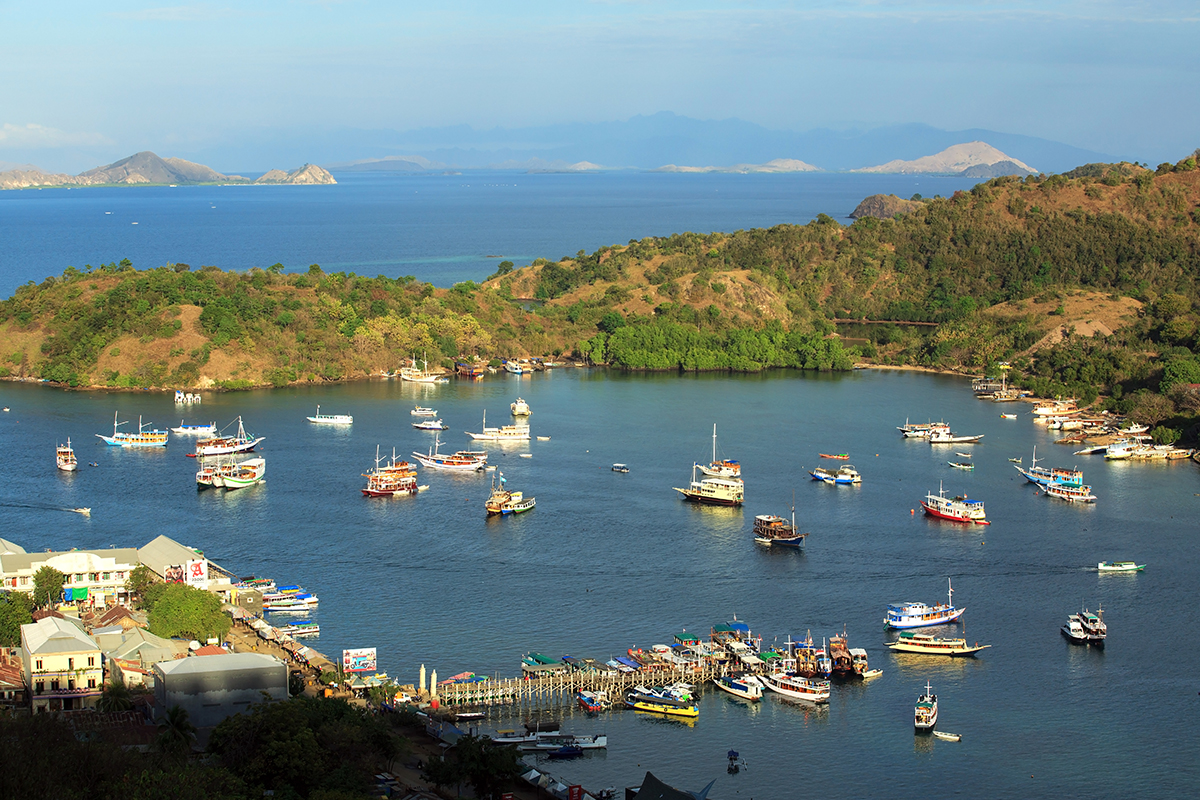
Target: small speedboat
{"points": [[746, 687], [421, 411], [1008, 416], [1015, 460], [948, 737], [963, 455], [871, 673], [431, 425], [837, 457], [567, 751], [620, 468], [1119, 566], [960, 465]]}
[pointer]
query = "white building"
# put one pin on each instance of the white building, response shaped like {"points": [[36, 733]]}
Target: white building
{"points": [[61, 664], [211, 688], [92, 577]]}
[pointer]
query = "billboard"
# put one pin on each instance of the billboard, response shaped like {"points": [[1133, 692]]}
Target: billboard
{"points": [[360, 660], [174, 574], [197, 573]]}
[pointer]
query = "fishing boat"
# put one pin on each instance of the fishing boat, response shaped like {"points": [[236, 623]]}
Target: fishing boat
{"points": [[64, 457], [213, 471], [807, 659], [926, 711], [331, 419], [431, 425], [914, 430], [944, 436], [745, 687], [195, 430], [948, 737], [955, 509], [474, 370], [924, 431], [593, 702], [462, 461], [928, 644], [514, 367], [720, 468], [964, 455], [836, 457], [1072, 494], [520, 408], [143, 438], [961, 465], [641, 699], [920, 615], [505, 433], [1119, 566], [772, 530], [1015, 460], [620, 468], [839, 655], [241, 442], [503, 502], [858, 658], [1086, 628], [807, 689], [714, 491], [1048, 477], [846, 476], [398, 477], [248, 473], [421, 411]]}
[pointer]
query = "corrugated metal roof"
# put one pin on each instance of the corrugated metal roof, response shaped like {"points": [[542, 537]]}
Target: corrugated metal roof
{"points": [[55, 635], [163, 552], [229, 662]]}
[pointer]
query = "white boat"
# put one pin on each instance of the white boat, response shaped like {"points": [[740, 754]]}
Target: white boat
{"points": [[64, 457], [241, 442], [723, 468], [1121, 449], [1133, 429], [955, 509], [1008, 416], [195, 430], [414, 375], [926, 711], [845, 476], [297, 602], [920, 615], [1119, 566], [714, 491], [928, 644], [421, 411], [746, 687], [143, 438], [948, 737], [1072, 494], [248, 473], [1056, 408], [212, 472], [462, 461], [797, 688], [543, 438], [944, 436], [187, 398], [872, 673], [520, 408], [331, 419], [1086, 628], [516, 368], [505, 433], [431, 425]]}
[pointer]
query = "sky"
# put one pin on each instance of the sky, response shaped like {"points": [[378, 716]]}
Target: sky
{"points": [[83, 83]]}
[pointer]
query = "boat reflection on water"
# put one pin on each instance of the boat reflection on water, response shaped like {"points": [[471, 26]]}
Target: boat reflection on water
{"points": [[923, 745], [655, 717], [810, 712]]}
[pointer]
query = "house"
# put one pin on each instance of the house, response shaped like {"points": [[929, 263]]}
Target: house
{"points": [[12, 679], [211, 688], [92, 577], [133, 653], [61, 665]]}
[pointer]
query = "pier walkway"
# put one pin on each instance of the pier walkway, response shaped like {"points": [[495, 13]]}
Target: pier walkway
{"points": [[561, 687]]}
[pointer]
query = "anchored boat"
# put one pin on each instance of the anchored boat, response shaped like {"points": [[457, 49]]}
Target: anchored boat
{"points": [[1048, 477], [920, 615], [143, 438], [714, 491], [247, 473], [720, 468], [241, 442], [505, 433], [926, 711], [771, 530], [797, 688], [1086, 628], [912, 642], [195, 430], [955, 509], [462, 461], [520, 408], [504, 502], [64, 457], [845, 476], [331, 419]]}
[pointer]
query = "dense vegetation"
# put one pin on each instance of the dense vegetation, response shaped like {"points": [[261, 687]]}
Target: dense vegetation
{"points": [[747, 300]]}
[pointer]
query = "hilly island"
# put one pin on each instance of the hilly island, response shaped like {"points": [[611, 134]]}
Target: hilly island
{"points": [[1085, 282], [148, 169]]}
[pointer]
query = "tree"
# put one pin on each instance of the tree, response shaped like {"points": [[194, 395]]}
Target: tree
{"points": [[47, 586], [179, 611], [486, 767], [16, 609], [140, 579], [115, 696], [611, 321], [1151, 409], [175, 731]]}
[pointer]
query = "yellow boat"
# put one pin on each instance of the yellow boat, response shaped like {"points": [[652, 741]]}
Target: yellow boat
{"points": [[912, 642], [663, 708]]}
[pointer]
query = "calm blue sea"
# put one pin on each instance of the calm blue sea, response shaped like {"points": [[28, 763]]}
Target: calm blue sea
{"points": [[609, 561], [438, 228]]}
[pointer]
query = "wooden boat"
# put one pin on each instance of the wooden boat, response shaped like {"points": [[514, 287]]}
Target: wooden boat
{"points": [[837, 457], [213, 471], [514, 367], [846, 476], [248, 473], [660, 703], [462, 461], [241, 442], [474, 370], [505, 433], [520, 408], [331, 419], [961, 465], [143, 438], [503, 502], [1119, 566], [744, 687], [912, 642], [1086, 628], [1072, 494], [414, 375], [771, 530], [714, 491], [797, 688], [964, 455], [398, 477], [920, 615], [872, 673], [593, 702], [195, 430], [948, 737], [1049, 477], [955, 509], [944, 436], [926, 711], [720, 468], [839, 654], [64, 457]]}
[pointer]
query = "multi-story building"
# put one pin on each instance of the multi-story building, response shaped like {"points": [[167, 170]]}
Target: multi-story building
{"points": [[61, 664], [91, 577]]}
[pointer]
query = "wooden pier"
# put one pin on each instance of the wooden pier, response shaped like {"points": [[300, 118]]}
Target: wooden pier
{"points": [[561, 687]]}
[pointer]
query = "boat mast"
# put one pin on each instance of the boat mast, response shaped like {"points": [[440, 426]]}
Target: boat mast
{"points": [[950, 593], [714, 458]]}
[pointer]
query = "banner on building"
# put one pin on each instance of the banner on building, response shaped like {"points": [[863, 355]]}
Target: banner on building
{"points": [[197, 573], [174, 574], [360, 660]]}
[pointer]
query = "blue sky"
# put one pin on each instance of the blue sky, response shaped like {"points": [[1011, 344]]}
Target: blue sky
{"points": [[86, 81]]}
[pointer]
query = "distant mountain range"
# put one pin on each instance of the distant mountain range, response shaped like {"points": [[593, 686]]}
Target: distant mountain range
{"points": [[148, 168]]}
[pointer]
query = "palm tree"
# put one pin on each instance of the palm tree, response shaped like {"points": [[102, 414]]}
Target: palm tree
{"points": [[176, 732], [115, 696]]}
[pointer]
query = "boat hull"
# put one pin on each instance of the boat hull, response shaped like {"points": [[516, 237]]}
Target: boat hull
{"points": [[690, 712], [939, 619], [904, 647], [1085, 639], [934, 512], [696, 497]]}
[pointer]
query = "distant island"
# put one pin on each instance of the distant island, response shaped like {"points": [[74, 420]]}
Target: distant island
{"points": [[774, 166], [148, 169], [968, 160]]}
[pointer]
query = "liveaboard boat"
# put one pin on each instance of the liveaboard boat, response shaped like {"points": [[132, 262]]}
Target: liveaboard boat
{"points": [[398, 477], [505, 433], [745, 687], [462, 461], [1047, 477], [807, 689], [914, 430], [503, 502], [839, 655], [720, 468], [944, 436], [248, 473], [143, 437], [195, 430], [1121, 449], [421, 411], [331, 419], [926, 711], [414, 375], [1086, 628], [520, 408], [1119, 566], [772, 530], [928, 644], [241, 442], [64, 457], [213, 471], [295, 602], [1072, 494], [714, 491], [920, 615], [955, 509]]}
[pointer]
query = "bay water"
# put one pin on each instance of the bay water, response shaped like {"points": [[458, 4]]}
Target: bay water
{"points": [[609, 561]]}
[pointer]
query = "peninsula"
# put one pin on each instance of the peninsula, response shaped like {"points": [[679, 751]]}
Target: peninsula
{"points": [[147, 168]]}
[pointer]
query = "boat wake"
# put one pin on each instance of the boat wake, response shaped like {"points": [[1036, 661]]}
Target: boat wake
{"points": [[87, 512]]}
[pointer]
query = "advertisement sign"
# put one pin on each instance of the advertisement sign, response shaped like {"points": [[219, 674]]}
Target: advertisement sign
{"points": [[197, 573], [575, 792], [174, 574], [360, 660]]}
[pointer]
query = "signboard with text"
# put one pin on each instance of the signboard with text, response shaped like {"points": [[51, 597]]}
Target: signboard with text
{"points": [[359, 660], [197, 573]]}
